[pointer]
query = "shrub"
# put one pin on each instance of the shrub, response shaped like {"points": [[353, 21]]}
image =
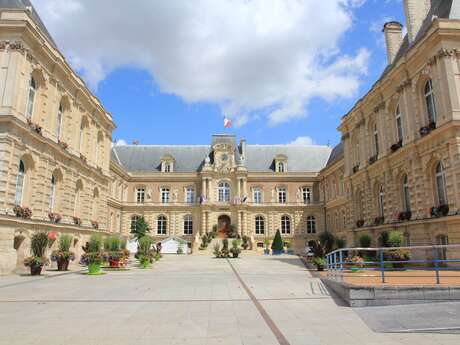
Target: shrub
{"points": [[246, 243], [327, 241], [38, 244], [65, 241], [233, 231], [395, 239], [95, 243], [340, 243], [277, 241], [365, 241], [217, 252], [63, 252], [235, 250], [224, 252], [145, 253], [383, 239]]}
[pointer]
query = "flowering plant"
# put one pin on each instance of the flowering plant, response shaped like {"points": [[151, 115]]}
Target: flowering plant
{"points": [[76, 220], [357, 260], [22, 211], [54, 217], [95, 224]]}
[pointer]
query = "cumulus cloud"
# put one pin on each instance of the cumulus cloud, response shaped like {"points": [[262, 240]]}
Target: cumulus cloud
{"points": [[119, 142], [302, 141], [251, 57]]}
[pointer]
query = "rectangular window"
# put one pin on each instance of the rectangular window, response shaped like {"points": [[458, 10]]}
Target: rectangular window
{"points": [[165, 195], [190, 195], [306, 195], [140, 195], [282, 195], [257, 196]]}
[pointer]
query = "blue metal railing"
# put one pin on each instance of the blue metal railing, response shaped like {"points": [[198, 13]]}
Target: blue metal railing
{"points": [[339, 261]]}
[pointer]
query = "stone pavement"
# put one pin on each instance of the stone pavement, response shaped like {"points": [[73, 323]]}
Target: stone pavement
{"points": [[188, 300]]}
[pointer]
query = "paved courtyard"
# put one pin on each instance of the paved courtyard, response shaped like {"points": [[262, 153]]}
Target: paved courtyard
{"points": [[197, 300]]}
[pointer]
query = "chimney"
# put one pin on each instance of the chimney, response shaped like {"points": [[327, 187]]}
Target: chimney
{"points": [[416, 11], [393, 39]]}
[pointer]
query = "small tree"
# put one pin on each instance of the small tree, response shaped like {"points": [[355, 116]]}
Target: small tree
{"points": [[140, 228], [365, 241], [277, 243], [383, 239], [327, 240], [395, 239]]}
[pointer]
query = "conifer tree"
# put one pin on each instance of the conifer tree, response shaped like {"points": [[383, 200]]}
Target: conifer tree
{"points": [[277, 241]]}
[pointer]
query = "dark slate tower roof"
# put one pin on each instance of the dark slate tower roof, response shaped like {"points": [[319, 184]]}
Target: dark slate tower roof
{"points": [[336, 154], [27, 5]]}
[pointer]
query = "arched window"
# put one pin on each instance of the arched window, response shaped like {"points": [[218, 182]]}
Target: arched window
{"points": [[306, 195], [260, 225], [224, 192], [20, 183], [430, 102], [381, 201], [59, 121], [406, 194], [190, 195], [441, 184], [134, 220], [31, 98], [311, 225], [399, 126], [165, 195], [280, 167], [285, 225], [78, 191], [81, 136], [52, 193], [376, 139], [188, 224], [161, 225]]}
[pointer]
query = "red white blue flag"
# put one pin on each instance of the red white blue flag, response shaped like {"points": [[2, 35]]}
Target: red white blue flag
{"points": [[227, 122]]}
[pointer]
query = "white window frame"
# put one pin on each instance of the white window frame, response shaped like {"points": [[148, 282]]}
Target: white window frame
{"points": [[31, 98], [430, 102], [20, 182], [306, 195], [223, 191], [399, 124], [257, 195], [162, 225], [140, 195], [376, 139], [281, 167], [282, 195], [285, 225], [259, 225], [190, 195], [406, 194], [188, 224], [440, 180], [52, 193], [165, 195]]}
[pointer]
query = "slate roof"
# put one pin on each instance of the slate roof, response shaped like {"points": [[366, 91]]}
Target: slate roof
{"points": [[336, 154], [443, 9], [259, 158], [24, 5]]}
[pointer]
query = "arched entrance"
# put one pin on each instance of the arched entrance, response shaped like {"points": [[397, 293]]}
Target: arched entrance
{"points": [[223, 225]]}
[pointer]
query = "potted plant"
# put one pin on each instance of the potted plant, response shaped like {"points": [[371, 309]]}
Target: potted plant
{"points": [[38, 244], [277, 245], [76, 220], [319, 262], [289, 249], [22, 211], [224, 253], [396, 239], [63, 255], [145, 253], [94, 255], [95, 224], [217, 252], [235, 250], [114, 254], [54, 217], [246, 242], [267, 246]]}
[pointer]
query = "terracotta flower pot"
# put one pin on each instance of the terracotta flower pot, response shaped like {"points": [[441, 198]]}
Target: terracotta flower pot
{"points": [[62, 264]]}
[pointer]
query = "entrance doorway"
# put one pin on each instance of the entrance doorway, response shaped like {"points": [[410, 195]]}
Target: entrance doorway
{"points": [[223, 225]]}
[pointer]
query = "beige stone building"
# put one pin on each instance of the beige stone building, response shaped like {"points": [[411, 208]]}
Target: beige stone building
{"points": [[55, 141], [188, 190], [397, 166]]}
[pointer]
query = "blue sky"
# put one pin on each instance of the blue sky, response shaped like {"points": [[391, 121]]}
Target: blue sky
{"points": [[152, 104]]}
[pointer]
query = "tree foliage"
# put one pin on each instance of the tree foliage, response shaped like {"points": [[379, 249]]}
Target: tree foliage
{"points": [[277, 243], [140, 228]]}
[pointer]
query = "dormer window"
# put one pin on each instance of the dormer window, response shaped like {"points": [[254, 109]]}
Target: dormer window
{"points": [[167, 164], [281, 163]]}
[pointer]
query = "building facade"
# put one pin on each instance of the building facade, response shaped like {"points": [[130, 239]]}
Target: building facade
{"points": [[397, 165], [399, 157], [190, 190]]}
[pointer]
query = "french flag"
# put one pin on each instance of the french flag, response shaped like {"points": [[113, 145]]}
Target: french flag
{"points": [[227, 122]]}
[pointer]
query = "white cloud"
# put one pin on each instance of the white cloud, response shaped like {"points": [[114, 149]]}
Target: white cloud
{"points": [[251, 57], [302, 141]]}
